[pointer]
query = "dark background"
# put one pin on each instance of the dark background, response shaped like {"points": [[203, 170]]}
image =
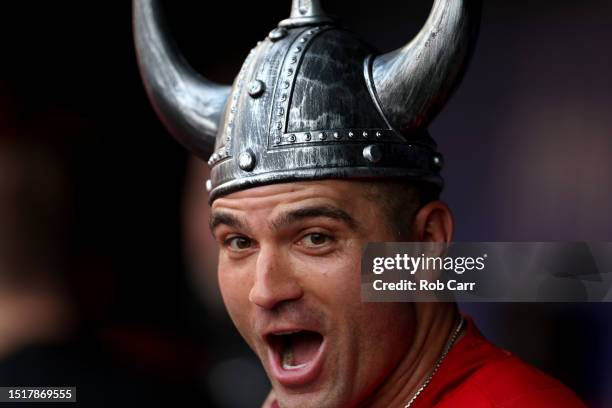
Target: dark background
{"points": [[527, 140]]}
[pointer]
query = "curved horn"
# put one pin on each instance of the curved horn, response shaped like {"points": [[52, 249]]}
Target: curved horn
{"points": [[189, 105], [414, 82]]}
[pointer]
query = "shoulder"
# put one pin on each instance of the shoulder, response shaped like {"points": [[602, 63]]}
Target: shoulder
{"points": [[508, 382], [477, 374]]}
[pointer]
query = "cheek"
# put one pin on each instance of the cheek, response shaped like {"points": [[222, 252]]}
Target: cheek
{"points": [[392, 323], [235, 292], [335, 279]]}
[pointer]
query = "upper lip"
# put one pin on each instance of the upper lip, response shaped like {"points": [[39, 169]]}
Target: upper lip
{"points": [[287, 329]]}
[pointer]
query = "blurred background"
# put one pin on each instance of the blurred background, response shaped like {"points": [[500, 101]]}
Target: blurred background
{"points": [[107, 269]]}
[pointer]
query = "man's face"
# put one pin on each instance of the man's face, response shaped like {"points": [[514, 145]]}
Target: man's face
{"points": [[289, 272]]}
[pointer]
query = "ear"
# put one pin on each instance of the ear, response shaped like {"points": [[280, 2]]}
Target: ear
{"points": [[433, 223]]}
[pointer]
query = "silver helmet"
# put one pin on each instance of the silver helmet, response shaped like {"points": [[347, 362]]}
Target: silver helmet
{"points": [[312, 100]]}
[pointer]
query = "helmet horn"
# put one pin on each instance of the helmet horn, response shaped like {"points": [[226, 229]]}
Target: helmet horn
{"points": [[414, 82], [190, 106]]}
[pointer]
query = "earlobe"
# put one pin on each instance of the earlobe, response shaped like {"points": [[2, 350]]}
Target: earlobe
{"points": [[433, 223]]}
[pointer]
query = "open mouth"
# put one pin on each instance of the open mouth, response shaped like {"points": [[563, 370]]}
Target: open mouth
{"points": [[296, 349], [295, 356]]}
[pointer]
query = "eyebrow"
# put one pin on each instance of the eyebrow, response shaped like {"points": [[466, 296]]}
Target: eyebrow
{"points": [[221, 218], [314, 212]]}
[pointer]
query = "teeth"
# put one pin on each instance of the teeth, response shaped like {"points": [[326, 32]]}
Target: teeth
{"points": [[290, 367], [288, 360], [287, 332]]}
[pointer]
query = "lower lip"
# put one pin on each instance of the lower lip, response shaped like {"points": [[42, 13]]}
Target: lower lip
{"points": [[296, 377]]}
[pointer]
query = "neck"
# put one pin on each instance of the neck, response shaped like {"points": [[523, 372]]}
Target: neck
{"points": [[435, 324]]}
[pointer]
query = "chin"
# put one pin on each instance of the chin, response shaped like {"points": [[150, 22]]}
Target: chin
{"points": [[314, 399]]}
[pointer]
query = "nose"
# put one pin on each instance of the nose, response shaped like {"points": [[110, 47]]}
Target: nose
{"points": [[274, 281]]}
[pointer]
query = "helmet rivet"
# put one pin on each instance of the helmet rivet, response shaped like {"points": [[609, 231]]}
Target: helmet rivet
{"points": [[246, 160], [365, 134], [336, 135], [297, 49], [378, 135], [322, 136], [292, 138], [293, 59], [351, 135], [277, 34], [307, 137], [438, 161], [208, 185], [256, 88], [302, 40], [372, 153], [286, 84], [277, 140]]}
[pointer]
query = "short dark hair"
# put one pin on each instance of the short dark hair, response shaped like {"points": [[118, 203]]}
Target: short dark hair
{"points": [[400, 202]]}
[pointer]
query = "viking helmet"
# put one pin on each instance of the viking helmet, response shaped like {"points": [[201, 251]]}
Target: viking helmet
{"points": [[311, 100]]}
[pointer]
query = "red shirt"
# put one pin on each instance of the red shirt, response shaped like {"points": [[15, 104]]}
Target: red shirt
{"points": [[477, 374]]}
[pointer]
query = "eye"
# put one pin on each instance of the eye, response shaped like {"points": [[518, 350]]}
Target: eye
{"points": [[238, 243], [315, 239]]}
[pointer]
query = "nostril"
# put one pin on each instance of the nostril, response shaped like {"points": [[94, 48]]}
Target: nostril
{"points": [[268, 293]]}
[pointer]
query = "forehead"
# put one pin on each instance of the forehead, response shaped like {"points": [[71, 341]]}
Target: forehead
{"points": [[348, 195]]}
